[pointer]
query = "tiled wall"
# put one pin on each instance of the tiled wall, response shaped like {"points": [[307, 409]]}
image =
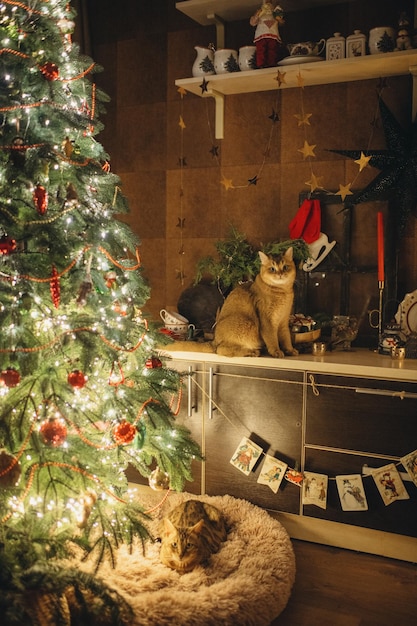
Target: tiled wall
{"points": [[143, 50]]}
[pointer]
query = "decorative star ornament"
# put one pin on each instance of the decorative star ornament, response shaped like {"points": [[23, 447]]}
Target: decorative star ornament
{"points": [[280, 78], [344, 190], [315, 182], [363, 161], [274, 116], [182, 91], [181, 123], [253, 180], [303, 118], [227, 183], [307, 150], [397, 179], [214, 150], [204, 85]]}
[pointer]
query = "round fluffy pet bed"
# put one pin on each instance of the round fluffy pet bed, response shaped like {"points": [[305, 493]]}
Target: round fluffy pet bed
{"points": [[247, 582]]}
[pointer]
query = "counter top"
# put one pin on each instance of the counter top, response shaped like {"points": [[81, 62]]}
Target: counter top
{"points": [[355, 362]]}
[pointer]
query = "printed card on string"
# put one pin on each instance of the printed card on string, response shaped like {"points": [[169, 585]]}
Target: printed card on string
{"points": [[315, 489], [389, 484], [272, 472], [294, 477], [246, 455], [410, 463], [351, 492]]}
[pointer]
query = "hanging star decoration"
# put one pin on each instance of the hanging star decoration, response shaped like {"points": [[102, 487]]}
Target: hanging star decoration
{"points": [[253, 181], [274, 116], [214, 151], [227, 183], [315, 182], [204, 86], [307, 150], [397, 179], [344, 190]]}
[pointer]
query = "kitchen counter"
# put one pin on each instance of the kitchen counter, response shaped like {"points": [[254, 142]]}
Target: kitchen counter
{"points": [[355, 362]]}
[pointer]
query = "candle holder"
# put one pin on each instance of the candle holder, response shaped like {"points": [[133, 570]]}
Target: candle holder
{"points": [[376, 315]]}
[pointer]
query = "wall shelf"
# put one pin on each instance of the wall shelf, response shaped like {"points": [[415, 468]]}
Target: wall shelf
{"points": [[320, 73]]}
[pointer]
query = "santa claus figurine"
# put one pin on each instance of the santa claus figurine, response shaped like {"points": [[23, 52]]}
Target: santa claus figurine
{"points": [[268, 42]]}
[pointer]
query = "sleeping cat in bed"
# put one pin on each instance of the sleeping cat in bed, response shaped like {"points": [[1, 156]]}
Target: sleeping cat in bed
{"points": [[191, 532], [255, 315]]}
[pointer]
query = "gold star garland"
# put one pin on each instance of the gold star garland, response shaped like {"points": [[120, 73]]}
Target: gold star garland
{"points": [[179, 271], [307, 150]]}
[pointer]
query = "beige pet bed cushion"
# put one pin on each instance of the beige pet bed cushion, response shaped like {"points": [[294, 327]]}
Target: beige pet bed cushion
{"points": [[247, 583]]}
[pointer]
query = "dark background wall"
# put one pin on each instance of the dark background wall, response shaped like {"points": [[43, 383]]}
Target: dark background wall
{"points": [[144, 46]]}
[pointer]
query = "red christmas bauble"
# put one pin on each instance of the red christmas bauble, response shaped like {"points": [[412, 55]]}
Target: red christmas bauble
{"points": [[10, 469], [53, 431], [10, 377], [153, 362], [7, 244], [50, 71], [77, 379], [124, 432]]}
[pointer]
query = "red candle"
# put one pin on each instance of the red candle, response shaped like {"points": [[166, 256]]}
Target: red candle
{"points": [[381, 272]]}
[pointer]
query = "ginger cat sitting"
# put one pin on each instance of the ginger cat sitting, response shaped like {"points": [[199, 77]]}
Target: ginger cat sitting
{"points": [[255, 315]]}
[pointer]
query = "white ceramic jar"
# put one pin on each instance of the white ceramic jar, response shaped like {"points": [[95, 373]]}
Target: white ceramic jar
{"points": [[247, 58], [335, 47], [356, 44], [226, 60], [382, 39]]}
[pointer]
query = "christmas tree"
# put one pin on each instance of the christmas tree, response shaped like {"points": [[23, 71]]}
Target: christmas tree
{"points": [[83, 392]]}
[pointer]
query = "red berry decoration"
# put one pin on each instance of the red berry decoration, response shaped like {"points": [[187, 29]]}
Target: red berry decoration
{"points": [[77, 379], [53, 431], [50, 71], [124, 432], [10, 469], [10, 377], [153, 362]]}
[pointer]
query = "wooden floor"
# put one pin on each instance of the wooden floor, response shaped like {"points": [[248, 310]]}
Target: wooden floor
{"points": [[336, 587]]}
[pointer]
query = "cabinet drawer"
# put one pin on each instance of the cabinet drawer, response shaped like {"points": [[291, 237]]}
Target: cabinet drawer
{"points": [[266, 406], [375, 416], [399, 517]]}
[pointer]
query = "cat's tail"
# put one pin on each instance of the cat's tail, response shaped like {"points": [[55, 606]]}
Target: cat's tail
{"points": [[190, 346]]}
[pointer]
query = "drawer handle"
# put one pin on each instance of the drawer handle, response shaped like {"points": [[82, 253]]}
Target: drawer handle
{"points": [[313, 385], [383, 392]]}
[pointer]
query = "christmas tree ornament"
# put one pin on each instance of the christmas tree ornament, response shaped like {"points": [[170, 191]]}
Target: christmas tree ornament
{"points": [[85, 288], [40, 198], [110, 279], [68, 147], [153, 362], [10, 469], [116, 378], [140, 436], [87, 502], [53, 431], [159, 480], [77, 379], [55, 287], [7, 244], [18, 152], [50, 71], [124, 433], [9, 377]]}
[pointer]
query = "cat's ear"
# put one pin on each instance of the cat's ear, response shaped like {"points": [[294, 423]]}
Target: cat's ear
{"points": [[168, 526], [197, 528], [264, 257], [289, 254]]}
